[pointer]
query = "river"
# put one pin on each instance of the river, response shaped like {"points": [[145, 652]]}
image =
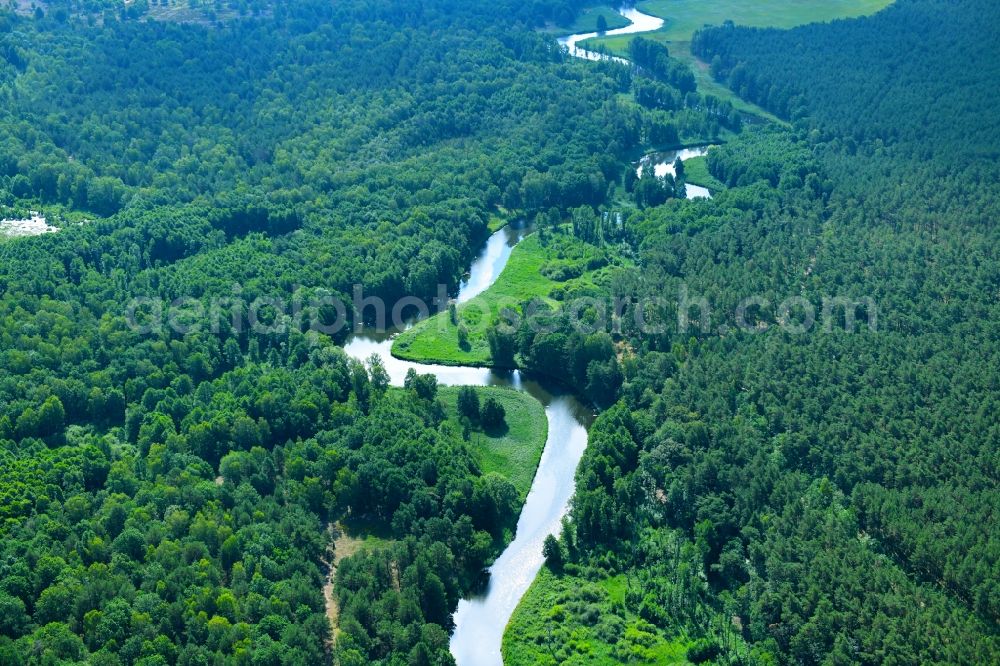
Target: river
{"points": [[480, 620], [640, 23], [664, 161]]}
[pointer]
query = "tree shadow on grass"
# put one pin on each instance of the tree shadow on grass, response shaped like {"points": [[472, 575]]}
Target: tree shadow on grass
{"points": [[496, 430], [361, 525]]}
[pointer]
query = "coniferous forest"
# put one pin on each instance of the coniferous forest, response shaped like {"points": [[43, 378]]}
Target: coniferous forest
{"points": [[810, 484]]}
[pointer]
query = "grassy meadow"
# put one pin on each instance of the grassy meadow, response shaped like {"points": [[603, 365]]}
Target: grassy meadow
{"points": [[515, 452], [683, 17], [436, 340], [696, 173], [586, 21]]}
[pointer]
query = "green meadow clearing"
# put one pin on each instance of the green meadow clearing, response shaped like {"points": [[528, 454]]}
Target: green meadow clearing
{"points": [[526, 276], [683, 17], [696, 173], [435, 340], [513, 453], [587, 21]]}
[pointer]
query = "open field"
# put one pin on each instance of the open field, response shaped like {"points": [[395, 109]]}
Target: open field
{"points": [[683, 17], [516, 452]]}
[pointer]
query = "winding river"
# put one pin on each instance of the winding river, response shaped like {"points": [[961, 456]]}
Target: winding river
{"points": [[480, 620], [663, 162], [640, 23]]}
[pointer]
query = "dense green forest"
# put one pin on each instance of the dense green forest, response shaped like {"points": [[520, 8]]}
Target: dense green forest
{"points": [[755, 490], [762, 495], [166, 495]]}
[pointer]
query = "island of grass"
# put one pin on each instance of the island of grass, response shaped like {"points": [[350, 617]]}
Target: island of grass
{"points": [[551, 269], [548, 626], [588, 21]]}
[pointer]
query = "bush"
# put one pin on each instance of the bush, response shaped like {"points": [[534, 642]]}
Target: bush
{"points": [[704, 649]]}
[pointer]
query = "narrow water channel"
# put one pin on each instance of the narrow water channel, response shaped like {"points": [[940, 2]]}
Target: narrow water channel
{"points": [[663, 162]]}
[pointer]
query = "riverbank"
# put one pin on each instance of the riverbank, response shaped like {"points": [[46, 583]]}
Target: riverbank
{"points": [[512, 451], [480, 620], [617, 46], [551, 265], [437, 340], [534, 270], [588, 19], [681, 18]]}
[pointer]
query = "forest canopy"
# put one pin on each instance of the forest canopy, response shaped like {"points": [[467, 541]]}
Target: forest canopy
{"points": [[749, 494], [760, 496]]}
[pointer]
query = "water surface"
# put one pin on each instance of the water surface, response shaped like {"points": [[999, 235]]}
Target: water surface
{"points": [[663, 164]]}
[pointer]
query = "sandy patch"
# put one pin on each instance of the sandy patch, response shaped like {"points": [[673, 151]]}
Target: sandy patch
{"points": [[342, 546], [33, 226]]}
